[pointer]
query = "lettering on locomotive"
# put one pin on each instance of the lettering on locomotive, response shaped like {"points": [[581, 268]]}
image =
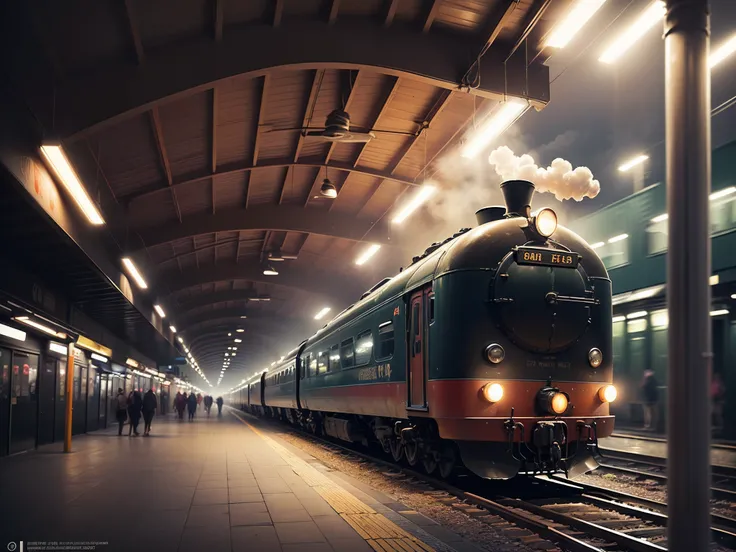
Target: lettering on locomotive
{"points": [[549, 257], [374, 373]]}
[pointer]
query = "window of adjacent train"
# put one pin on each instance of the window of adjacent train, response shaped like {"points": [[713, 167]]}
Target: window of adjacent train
{"points": [[322, 359], [385, 345], [347, 353], [363, 348], [431, 308], [333, 358]]}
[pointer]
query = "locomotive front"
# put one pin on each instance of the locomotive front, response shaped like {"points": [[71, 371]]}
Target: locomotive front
{"points": [[523, 334]]}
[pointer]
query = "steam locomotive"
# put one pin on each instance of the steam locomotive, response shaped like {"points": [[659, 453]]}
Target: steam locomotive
{"points": [[493, 349]]}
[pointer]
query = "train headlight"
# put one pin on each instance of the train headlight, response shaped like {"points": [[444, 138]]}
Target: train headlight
{"points": [[551, 401], [607, 393], [495, 353], [595, 357], [545, 222], [493, 392]]}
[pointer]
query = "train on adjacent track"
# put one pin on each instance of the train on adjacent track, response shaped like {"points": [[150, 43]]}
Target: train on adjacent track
{"points": [[492, 350]]}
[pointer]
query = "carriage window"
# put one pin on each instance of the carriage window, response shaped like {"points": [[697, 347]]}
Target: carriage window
{"points": [[334, 358], [363, 348], [347, 353], [314, 363], [385, 346], [305, 366], [322, 362], [431, 308]]}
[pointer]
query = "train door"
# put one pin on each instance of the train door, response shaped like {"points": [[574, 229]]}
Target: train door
{"points": [[104, 382], [417, 372], [46, 392], [5, 358], [79, 398], [23, 401]]}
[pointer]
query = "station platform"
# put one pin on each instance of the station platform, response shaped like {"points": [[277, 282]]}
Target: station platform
{"points": [[218, 484], [721, 455]]}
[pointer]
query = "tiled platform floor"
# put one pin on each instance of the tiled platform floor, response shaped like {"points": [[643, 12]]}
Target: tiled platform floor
{"points": [[212, 485], [658, 447]]}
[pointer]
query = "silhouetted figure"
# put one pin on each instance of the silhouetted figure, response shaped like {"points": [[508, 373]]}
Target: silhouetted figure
{"points": [[219, 406], [135, 405], [192, 405], [650, 392], [121, 409], [208, 404], [149, 409]]}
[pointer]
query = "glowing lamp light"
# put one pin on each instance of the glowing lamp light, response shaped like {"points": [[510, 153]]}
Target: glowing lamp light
{"points": [[545, 222], [722, 52], [45, 329], [496, 124], [160, 311], [423, 195], [559, 403], [367, 254], [60, 165], [652, 15], [607, 394], [575, 20], [631, 163], [133, 271], [493, 392], [321, 314]]}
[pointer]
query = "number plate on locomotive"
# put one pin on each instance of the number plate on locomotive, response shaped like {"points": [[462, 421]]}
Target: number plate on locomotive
{"points": [[546, 257]]}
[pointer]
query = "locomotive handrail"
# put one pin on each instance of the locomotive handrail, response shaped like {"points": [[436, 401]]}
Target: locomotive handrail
{"points": [[554, 298]]}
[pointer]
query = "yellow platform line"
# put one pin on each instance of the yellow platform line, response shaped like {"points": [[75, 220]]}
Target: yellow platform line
{"points": [[382, 534]]}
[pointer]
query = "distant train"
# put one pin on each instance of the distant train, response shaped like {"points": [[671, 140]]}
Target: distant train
{"points": [[494, 349]]}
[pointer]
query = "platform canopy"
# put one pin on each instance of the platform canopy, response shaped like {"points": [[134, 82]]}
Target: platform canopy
{"points": [[186, 122]]}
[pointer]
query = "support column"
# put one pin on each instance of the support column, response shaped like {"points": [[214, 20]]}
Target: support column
{"points": [[687, 110], [69, 395]]}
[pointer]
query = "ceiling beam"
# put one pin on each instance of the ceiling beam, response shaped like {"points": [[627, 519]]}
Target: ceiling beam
{"points": [[278, 12], [434, 8], [217, 21], [283, 218], [296, 279], [213, 149], [391, 6], [334, 8], [384, 107], [259, 120], [309, 108], [159, 138], [107, 95], [231, 316], [270, 164], [206, 299], [533, 16], [135, 34]]}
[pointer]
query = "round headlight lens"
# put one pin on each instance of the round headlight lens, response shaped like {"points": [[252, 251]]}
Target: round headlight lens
{"points": [[559, 403], [495, 353], [493, 392], [607, 393], [595, 357], [545, 222]]}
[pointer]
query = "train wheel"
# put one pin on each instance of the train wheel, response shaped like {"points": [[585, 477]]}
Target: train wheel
{"points": [[411, 449], [397, 450], [447, 461], [429, 463]]}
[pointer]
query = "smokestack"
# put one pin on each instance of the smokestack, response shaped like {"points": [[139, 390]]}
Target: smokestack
{"points": [[489, 214], [518, 195]]}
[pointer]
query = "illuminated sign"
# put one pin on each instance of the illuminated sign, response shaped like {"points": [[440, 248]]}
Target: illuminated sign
{"points": [[93, 346], [546, 257]]}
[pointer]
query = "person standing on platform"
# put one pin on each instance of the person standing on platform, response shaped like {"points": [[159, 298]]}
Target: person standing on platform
{"points": [[180, 403], [149, 409], [192, 404], [219, 406], [135, 405], [208, 404], [650, 391], [121, 410]]}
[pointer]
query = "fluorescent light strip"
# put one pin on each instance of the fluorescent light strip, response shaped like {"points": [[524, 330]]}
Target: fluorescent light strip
{"points": [[619, 318], [131, 362], [33, 324], [173, 329], [321, 314], [367, 254], [639, 314], [647, 19], [160, 311], [722, 52], [133, 271], [423, 195], [638, 160], [57, 160], [719, 312], [99, 357], [596, 245], [496, 124], [575, 20], [58, 348], [618, 238], [722, 193], [660, 218]]}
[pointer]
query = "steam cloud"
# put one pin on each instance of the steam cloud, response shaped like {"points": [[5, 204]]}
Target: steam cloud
{"points": [[559, 178]]}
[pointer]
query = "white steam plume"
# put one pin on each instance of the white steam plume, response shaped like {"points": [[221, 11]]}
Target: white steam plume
{"points": [[559, 178]]}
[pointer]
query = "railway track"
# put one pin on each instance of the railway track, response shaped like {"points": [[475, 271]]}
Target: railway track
{"points": [[723, 485], [572, 516]]}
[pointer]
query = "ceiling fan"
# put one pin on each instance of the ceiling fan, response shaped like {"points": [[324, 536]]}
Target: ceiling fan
{"points": [[337, 129]]}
